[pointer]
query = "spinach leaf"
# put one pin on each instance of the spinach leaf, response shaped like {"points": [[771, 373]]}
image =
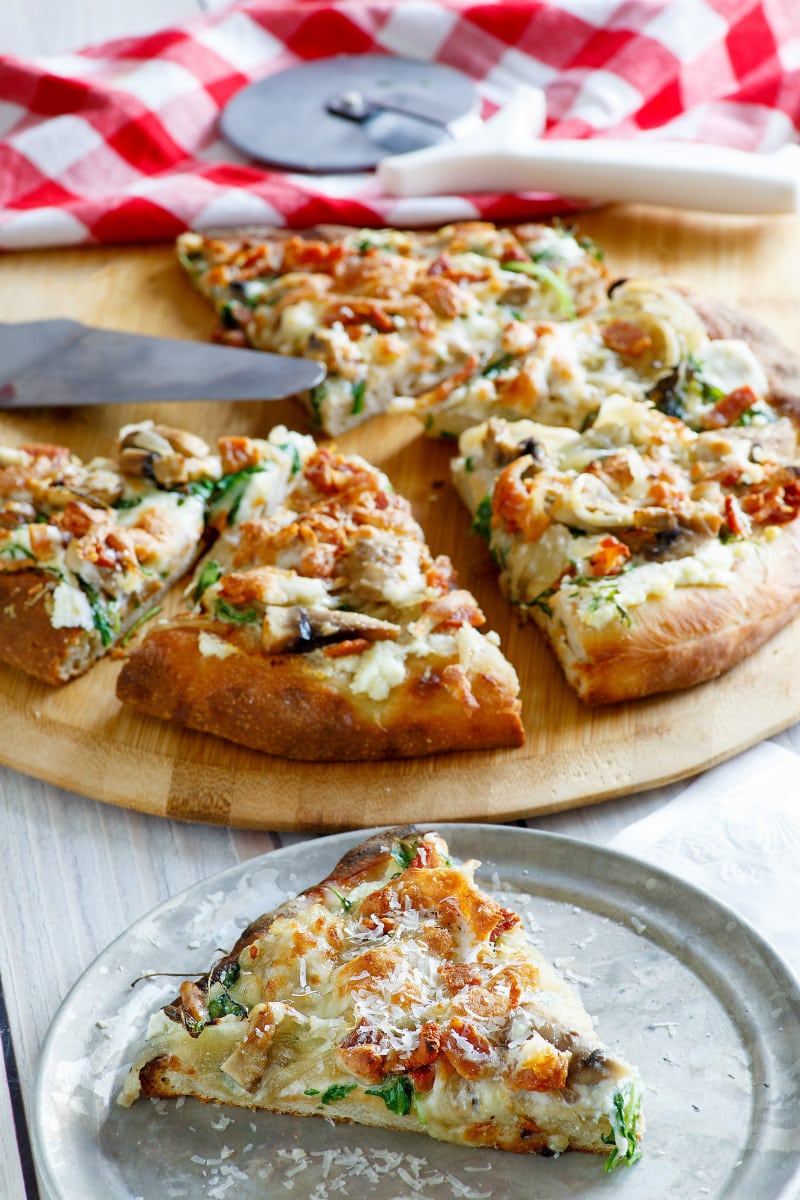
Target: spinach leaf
{"points": [[396, 1092], [358, 389], [229, 491], [224, 1005], [482, 521], [235, 616], [337, 1091], [624, 1119], [403, 851], [209, 574], [105, 622]]}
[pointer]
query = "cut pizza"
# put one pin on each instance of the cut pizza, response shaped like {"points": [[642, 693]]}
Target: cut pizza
{"points": [[651, 555], [400, 318], [396, 993], [652, 342], [88, 549], [322, 627]]}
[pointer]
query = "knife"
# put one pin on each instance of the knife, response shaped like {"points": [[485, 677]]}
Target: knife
{"points": [[62, 362]]}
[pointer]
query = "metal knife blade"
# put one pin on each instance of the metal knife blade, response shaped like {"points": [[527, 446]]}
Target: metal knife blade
{"points": [[62, 362]]}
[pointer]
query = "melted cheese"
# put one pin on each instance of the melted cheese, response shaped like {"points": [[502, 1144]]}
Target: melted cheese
{"points": [[344, 987]]}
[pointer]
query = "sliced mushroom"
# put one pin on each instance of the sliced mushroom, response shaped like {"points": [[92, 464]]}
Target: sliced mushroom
{"points": [[296, 629], [502, 447], [170, 456]]}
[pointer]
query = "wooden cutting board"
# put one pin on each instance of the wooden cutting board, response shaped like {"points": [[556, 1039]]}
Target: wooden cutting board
{"points": [[81, 738]]}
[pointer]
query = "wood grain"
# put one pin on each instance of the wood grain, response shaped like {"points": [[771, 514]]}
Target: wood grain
{"points": [[79, 736]]}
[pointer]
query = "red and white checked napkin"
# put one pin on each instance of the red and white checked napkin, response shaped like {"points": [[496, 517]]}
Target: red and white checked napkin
{"points": [[119, 142]]}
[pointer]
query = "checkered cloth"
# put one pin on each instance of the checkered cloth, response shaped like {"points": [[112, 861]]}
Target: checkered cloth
{"points": [[119, 142]]}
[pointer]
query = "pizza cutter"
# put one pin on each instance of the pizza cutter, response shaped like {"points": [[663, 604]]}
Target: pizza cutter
{"points": [[418, 124], [506, 155], [348, 112]]}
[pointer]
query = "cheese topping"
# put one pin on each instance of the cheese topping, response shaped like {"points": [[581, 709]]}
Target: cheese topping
{"points": [[412, 991], [636, 506], [392, 314]]}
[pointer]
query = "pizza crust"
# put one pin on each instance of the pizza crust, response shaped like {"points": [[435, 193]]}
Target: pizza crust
{"points": [[28, 639], [781, 365], [282, 705], [690, 635]]}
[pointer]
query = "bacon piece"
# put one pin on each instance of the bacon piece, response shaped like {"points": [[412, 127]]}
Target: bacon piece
{"points": [[609, 558], [41, 543], [540, 1067], [443, 295], [512, 504], [625, 337], [353, 311], [359, 1053], [308, 254], [459, 975], [738, 522], [468, 1052], [442, 390], [333, 474], [444, 266], [424, 1054], [237, 453], [351, 646], [730, 408], [444, 890], [229, 337], [452, 610], [441, 575], [507, 920], [774, 502], [429, 854], [423, 1078], [78, 518]]}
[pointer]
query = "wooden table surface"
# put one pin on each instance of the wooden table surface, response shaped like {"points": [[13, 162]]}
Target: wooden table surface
{"points": [[76, 872]]}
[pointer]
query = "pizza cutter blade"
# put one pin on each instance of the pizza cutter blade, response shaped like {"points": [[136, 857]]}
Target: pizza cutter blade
{"points": [[348, 112], [61, 362]]}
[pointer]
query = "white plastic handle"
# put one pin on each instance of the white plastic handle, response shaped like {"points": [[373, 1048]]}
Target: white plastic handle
{"points": [[502, 158]]}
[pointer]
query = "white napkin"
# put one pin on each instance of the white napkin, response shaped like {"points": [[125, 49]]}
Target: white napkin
{"points": [[735, 832]]}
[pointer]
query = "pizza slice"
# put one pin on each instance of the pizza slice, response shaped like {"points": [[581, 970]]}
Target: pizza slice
{"points": [[88, 549], [396, 993], [393, 314], [321, 626], [652, 556], [651, 341]]}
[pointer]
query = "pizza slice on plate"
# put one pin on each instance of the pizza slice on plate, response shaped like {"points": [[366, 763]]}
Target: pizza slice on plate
{"points": [[651, 555], [88, 549], [392, 313], [396, 993], [322, 627], [651, 341]]}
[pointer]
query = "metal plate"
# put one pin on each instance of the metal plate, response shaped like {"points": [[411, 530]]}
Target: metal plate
{"points": [[283, 120], [675, 980]]}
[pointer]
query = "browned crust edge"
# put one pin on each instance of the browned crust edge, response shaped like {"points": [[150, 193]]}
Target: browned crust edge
{"points": [[28, 640], [281, 705], [781, 364], [690, 635], [164, 1077]]}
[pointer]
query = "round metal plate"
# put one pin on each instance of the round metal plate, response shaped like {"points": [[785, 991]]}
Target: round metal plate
{"points": [[677, 982], [284, 120]]}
